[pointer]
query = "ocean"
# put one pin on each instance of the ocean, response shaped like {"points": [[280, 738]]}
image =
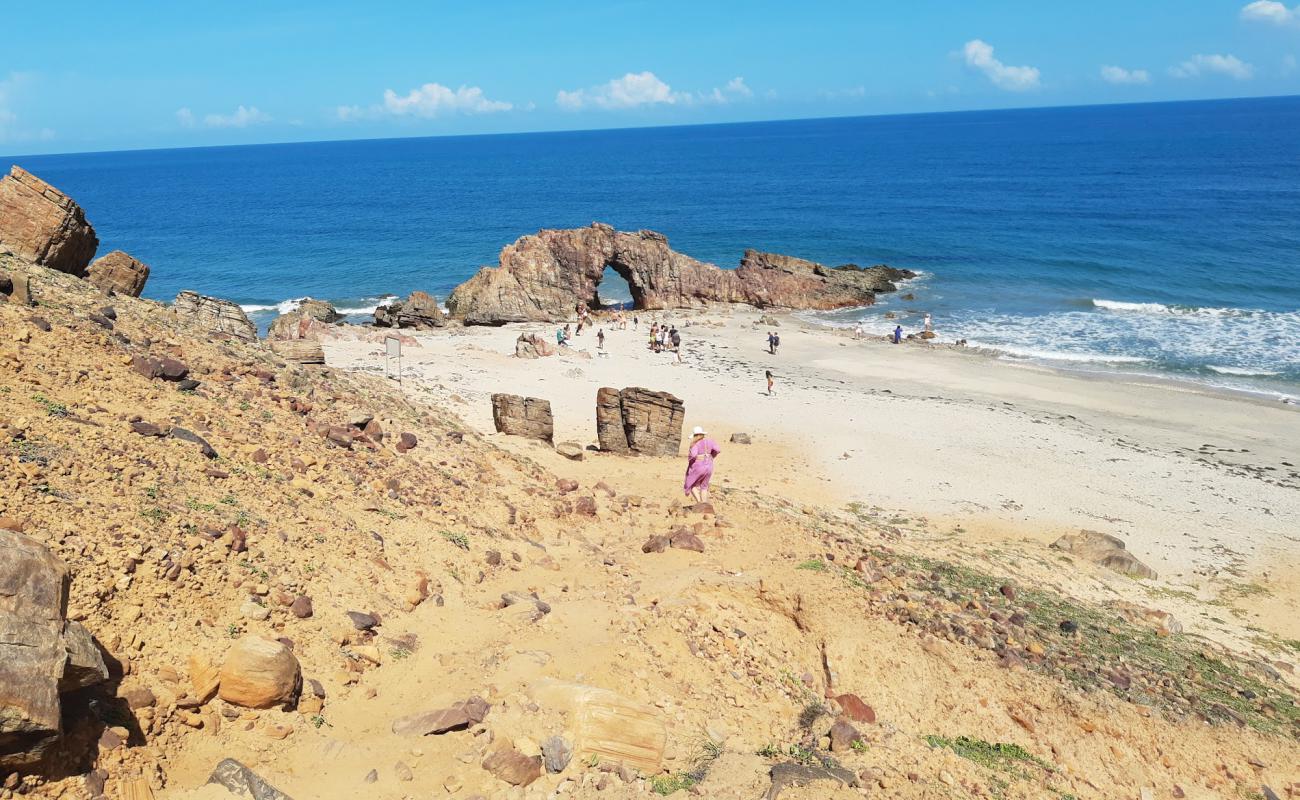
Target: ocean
{"points": [[1154, 239]]}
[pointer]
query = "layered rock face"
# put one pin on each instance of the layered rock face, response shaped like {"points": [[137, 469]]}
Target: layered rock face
{"points": [[523, 416], [214, 315], [43, 225], [119, 273], [544, 276], [639, 421], [42, 654], [418, 310]]}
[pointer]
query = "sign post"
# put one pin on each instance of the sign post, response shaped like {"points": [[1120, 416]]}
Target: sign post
{"points": [[393, 355]]}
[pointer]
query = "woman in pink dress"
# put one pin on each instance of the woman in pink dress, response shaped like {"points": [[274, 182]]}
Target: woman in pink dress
{"points": [[699, 465]]}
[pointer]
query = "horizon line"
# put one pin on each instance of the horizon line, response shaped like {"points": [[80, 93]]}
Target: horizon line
{"points": [[668, 126]]}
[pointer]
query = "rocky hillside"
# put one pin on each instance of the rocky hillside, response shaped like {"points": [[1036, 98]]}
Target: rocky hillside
{"points": [[352, 595]]}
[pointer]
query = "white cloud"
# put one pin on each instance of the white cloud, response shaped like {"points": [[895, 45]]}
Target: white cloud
{"points": [[1112, 74], [632, 90], [737, 87], [734, 90], [241, 117], [185, 117], [1214, 64], [427, 101], [979, 55], [1272, 12]]}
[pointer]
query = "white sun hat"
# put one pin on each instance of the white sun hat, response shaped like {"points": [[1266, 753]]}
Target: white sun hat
{"points": [[698, 431]]}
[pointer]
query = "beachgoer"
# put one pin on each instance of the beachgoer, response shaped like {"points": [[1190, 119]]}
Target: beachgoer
{"points": [[676, 339], [635, 321], [600, 338], [560, 339], [857, 331], [929, 324], [699, 465], [898, 334], [776, 342], [771, 343], [771, 383], [662, 340], [581, 321]]}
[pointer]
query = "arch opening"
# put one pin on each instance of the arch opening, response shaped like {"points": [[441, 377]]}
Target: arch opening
{"points": [[614, 290]]}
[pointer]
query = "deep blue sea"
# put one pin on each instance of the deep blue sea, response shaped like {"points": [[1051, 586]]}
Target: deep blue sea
{"points": [[1158, 239]]}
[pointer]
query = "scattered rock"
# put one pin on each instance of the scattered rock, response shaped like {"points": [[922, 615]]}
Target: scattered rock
{"points": [[260, 673], [655, 544], [530, 345], [241, 781], [843, 735], [118, 273], [362, 621], [539, 607], [301, 607], [513, 767], [790, 774], [457, 716], [685, 540], [1105, 550], [406, 442], [190, 436], [556, 753], [740, 438], [570, 450], [852, 707], [300, 323], [418, 310]]}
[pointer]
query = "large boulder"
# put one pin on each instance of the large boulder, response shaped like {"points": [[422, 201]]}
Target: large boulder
{"points": [[43, 225], [639, 421], [418, 310], [1105, 550], [545, 276], [119, 273], [260, 673], [214, 315], [530, 345], [303, 321], [529, 417], [42, 654]]}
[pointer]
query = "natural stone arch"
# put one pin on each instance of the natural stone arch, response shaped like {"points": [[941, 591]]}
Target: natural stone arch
{"points": [[543, 277]]}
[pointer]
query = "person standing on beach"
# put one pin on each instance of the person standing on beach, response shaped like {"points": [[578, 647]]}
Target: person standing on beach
{"points": [[857, 331], [776, 342], [771, 384], [929, 324], [898, 334], [600, 339], [561, 340], [676, 339], [771, 343], [699, 465]]}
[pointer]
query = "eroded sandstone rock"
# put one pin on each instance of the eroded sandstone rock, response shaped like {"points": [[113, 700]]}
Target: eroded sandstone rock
{"points": [[543, 277], [41, 653], [640, 421], [259, 673], [214, 315], [529, 417], [302, 321], [43, 225], [119, 273], [1103, 549], [418, 310]]}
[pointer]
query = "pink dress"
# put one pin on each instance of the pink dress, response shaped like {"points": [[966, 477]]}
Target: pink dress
{"points": [[699, 464]]}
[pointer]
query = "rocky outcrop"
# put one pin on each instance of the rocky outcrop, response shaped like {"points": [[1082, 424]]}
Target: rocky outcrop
{"points": [[302, 322], [42, 225], [1105, 550], [639, 421], [119, 273], [530, 345], [214, 315], [545, 276], [42, 654], [299, 351], [529, 417], [418, 310]]}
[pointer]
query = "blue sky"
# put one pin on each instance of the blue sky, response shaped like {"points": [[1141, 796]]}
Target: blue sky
{"points": [[77, 76]]}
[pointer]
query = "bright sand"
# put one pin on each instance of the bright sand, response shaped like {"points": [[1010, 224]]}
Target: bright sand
{"points": [[981, 448]]}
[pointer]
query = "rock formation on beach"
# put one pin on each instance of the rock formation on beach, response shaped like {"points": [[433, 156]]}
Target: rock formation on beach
{"points": [[545, 276], [639, 421], [418, 310], [529, 417], [119, 273], [303, 320], [214, 315], [42, 225]]}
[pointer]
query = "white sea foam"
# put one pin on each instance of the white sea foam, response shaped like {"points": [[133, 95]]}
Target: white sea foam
{"points": [[1059, 355], [366, 306], [1245, 373]]}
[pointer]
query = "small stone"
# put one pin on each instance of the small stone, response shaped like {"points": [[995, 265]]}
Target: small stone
{"points": [[566, 485], [685, 540], [843, 735], [372, 776], [655, 544], [301, 607], [1008, 591], [855, 709], [513, 767], [556, 753], [362, 621], [406, 441], [740, 438], [403, 772]]}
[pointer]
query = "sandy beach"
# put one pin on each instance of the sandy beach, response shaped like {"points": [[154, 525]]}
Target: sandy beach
{"points": [[1199, 483]]}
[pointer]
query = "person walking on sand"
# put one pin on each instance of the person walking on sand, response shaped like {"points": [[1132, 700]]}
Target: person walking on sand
{"points": [[699, 465], [857, 331], [600, 339], [560, 339], [898, 334], [776, 342], [771, 343], [771, 384]]}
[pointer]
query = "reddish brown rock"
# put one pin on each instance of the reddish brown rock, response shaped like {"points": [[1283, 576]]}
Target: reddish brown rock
{"points": [[301, 607], [441, 720], [655, 544], [852, 707], [406, 441], [118, 273], [529, 417], [639, 421], [513, 767], [302, 322], [544, 276], [843, 735], [38, 223], [683, 539], [566, 485], [586, 506], [530, 345]]}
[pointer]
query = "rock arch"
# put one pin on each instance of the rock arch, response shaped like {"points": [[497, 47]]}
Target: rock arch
{"points": [[544, 276]]}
